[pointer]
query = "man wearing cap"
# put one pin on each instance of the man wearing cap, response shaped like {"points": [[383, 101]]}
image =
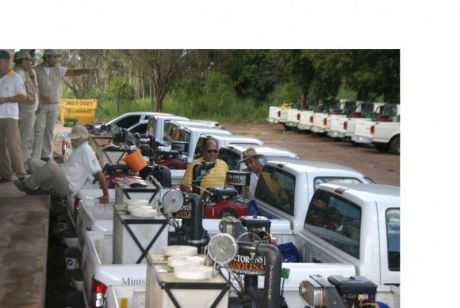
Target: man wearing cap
{"points": [[12, 92], [216, 176], [71, 176], [49, 75], [23, 67], [252, 161]]}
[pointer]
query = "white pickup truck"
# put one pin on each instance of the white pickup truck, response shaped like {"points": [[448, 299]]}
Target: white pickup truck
{"points": [[333, 109], [385, 113], [305, 119], [156, 125], [187, 139], [274, 112], [285, 187], [233, 154], [128, 119], [172, 127], [349, 230], [343, 127], [386, 136], [360, 225], [293, 118]]}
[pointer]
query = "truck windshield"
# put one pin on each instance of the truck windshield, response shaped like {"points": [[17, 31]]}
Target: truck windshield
{"points": [[367, 109], [334, 180], [349, 107], [393, 238], [151, 126], [277, 188], [232, 159], [336, 221], [169, 131]]}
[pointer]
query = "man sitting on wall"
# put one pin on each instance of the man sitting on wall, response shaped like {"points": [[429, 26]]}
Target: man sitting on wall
{"points": [[71, 176]]}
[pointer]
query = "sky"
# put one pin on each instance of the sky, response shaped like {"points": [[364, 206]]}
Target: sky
{"points": [[425, 31]]}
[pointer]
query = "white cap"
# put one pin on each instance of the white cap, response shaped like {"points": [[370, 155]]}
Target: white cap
{"points": [[79, 132]]}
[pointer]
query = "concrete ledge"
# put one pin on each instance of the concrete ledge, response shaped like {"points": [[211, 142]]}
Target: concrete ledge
{"points": [[23, 248]]}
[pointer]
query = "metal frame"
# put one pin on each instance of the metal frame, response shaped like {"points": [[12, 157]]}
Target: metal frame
{"points": [[168, 286], [142, 221]]}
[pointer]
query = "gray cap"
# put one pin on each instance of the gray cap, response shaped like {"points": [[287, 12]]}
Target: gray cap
{"points": [[51, 52], [4, 55], [22, 54]]}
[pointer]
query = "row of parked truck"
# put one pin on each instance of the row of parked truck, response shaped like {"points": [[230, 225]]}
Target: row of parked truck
{"points": [[319, 234], [357, 121]]}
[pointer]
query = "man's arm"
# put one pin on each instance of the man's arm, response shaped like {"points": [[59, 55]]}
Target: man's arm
{"points": [[18, 98], [103, 184], [78, 72]]}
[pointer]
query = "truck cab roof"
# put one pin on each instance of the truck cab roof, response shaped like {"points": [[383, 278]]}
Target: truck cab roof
{"points": [[310, 166], [233, 154], [378, 193]]}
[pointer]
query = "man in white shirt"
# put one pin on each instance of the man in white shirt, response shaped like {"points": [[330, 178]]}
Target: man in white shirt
{"points": [[23, 67], [12, 92], [49, 76], [72, 175]]}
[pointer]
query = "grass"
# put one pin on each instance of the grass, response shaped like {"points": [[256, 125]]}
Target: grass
{"points": [[223, 108]]}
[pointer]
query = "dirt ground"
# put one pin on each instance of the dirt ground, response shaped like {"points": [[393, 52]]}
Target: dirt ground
{"points": [[383, 168]]}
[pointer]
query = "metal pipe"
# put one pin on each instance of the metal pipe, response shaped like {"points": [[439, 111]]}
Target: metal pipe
{"points": [[272, 282], [197, 218]]}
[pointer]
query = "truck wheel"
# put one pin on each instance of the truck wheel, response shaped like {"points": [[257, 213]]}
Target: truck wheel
{"points": [[383, 147], [394, 145], [228, 212]]}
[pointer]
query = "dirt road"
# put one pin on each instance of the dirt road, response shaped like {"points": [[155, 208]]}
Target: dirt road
{"points": [[383, 168]]}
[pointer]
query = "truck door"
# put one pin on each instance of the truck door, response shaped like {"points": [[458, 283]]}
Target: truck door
{"points": [[275, 193], [389, 222], [332, 230]]}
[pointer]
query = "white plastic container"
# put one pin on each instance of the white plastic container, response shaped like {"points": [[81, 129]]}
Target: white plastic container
{"points": [[125, 249], [194, 294]]}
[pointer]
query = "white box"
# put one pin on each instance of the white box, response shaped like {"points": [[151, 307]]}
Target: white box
{"points": [[188, 293], [125, 249]]}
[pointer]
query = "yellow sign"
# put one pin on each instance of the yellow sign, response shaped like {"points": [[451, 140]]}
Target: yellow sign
{"points": [[84, 110]]}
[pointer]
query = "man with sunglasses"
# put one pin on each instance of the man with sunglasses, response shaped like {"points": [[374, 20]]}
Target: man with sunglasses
{"points": [[216, 176], [49, 76]]}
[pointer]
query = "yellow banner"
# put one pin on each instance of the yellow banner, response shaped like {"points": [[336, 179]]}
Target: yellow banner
{"points": [[69, 103], [82, 109]]}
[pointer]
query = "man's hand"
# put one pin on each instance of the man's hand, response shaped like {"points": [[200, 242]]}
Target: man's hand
{"points": [[103, 199]]}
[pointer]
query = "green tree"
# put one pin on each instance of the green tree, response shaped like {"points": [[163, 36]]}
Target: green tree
{"points": [[160, 68], [254, 73], [374, 73], [120, 91]]}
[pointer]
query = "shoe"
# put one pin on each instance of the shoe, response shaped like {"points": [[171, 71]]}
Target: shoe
{"points": [[21, 185], [46, 159], [3, 181]]}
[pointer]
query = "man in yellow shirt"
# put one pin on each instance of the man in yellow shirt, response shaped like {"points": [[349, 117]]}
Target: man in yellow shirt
{"points": [[216, 175]]}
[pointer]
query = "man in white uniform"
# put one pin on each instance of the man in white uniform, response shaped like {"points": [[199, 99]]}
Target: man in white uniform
{"points": [[71, 176], [49, 76], [12, 92], [23, 67]]}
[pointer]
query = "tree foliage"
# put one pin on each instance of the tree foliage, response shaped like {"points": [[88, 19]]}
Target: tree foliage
{"points": [[220, 77]]}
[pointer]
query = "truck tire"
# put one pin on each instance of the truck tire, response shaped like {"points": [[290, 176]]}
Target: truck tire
{"points": [[228, 212], [383, 147], [394, 145]]}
